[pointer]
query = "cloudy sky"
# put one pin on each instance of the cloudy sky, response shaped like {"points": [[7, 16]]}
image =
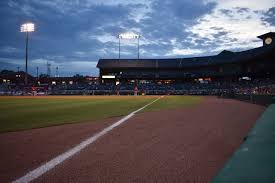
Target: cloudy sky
{"points": [[73, 34]]}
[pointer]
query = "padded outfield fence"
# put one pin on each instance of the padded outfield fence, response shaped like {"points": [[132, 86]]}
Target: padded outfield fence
{"points": [[254, 161], [256, 98], [132, 92]]}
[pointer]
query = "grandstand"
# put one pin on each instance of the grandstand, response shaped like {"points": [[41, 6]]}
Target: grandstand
{"points": [[245, 72], [255, 63]]}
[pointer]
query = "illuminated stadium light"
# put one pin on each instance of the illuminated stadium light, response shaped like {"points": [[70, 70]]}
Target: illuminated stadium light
{"points": [[128, 35], [108, 77], [27, 27]]}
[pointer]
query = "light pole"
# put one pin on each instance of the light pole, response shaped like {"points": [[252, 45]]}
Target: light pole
{"points": [[119, 47], [37, 72], [27, 27], [138, 45], [127, 35]]}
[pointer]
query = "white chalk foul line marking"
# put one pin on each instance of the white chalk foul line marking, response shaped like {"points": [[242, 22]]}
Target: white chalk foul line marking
{"points": [[66, 155]]}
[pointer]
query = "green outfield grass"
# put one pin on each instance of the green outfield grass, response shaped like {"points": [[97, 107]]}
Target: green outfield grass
{"points": [[170, 102], [19, 113]]}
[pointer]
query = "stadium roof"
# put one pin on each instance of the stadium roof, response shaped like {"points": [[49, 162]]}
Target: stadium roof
{"points": [[269, 34], [223, 58]]}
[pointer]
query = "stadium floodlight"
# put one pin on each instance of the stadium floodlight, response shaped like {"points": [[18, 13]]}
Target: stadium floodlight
{"points": [[128, 35], [27, 27]]}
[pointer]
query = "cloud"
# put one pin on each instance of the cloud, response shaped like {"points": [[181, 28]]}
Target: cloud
{"points": [[233, 26], [269, 17], [69, 32], [188, 51], [226, 12], [9, 49], [242, 10], [165, 26], [250, 4]]}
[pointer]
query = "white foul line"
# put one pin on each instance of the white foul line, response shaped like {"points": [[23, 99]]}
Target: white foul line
{"points": [[66, 155]]}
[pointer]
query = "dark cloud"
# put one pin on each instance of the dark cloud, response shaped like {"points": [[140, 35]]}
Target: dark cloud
{"points": [[169, 20], [60, 25], [184, 10], [227, 12], [242, 10], [233, 12], [269, 17], [57, 32], [70, 32], [220, 34], [217, 28]]}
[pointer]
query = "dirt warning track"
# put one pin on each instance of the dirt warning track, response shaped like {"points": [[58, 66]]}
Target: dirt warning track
{"points": [[187, 144]]}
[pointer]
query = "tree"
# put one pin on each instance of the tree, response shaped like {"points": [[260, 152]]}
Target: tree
{"points": [[43, 76]]}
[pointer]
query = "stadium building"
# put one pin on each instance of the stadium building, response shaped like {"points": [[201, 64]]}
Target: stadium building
{"points": [[255, 63]]}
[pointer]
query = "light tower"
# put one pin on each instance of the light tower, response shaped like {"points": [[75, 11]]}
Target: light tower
{"points": [[48, 69], [27, 27], [56, 72], [128, 35], [37, 68]]}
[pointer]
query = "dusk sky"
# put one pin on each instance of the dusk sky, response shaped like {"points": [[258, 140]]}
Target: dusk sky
{"points": [[74, 34]]}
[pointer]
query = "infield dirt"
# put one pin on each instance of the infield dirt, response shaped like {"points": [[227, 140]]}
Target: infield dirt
{"points": [[189, 144]]}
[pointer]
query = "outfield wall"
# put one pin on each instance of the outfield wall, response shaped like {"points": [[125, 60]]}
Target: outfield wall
{"points": [[254, 161], [132, 92], [257, 99]]}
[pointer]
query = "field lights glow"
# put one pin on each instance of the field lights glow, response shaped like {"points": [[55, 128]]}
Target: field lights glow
{"points": [[108, 77], [128, 35], [27, 27]]}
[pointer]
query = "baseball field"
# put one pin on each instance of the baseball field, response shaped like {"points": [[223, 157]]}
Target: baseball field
{"points": [[21, 113], [120, 138]]}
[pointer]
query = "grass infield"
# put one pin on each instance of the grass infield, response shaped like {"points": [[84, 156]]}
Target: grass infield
{"points": [[21, 113]]}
